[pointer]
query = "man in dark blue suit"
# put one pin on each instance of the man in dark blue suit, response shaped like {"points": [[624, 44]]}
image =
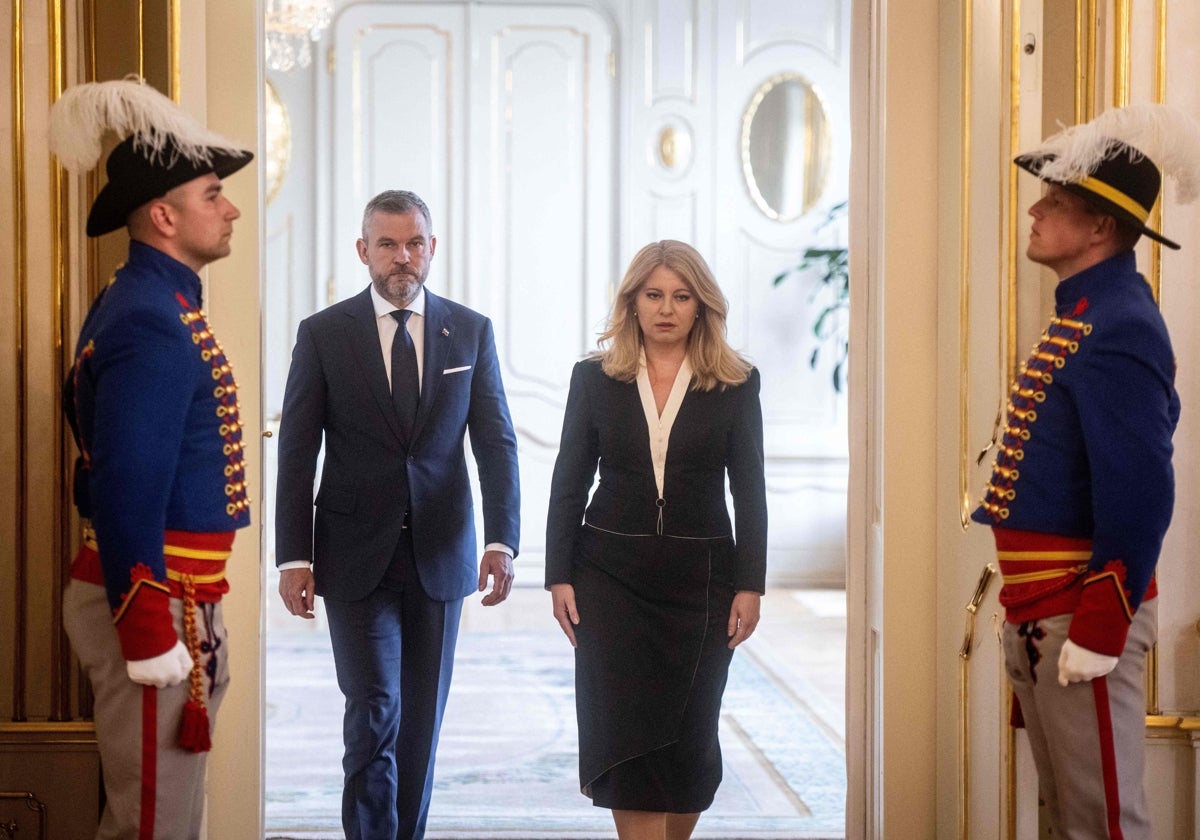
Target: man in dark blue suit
{"points": [[392, 379]]}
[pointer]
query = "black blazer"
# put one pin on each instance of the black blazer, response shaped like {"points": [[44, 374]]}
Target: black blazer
{"points": [[338, 392], [716, 432]]}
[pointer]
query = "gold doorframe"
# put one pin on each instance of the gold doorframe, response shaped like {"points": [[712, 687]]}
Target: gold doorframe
{"points": [[1092, 51], [45, 719]]}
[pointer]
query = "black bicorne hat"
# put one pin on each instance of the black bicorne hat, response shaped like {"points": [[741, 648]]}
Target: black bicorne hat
{"points": [[161, 145], [1118, 161], [137, 174], [1124, 184]]}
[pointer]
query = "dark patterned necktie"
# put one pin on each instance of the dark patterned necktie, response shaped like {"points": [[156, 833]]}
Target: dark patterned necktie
{"points": [[405, 380]]}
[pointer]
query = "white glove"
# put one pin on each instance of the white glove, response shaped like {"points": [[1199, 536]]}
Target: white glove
{"points": [[1078, 664], [162, 671]]}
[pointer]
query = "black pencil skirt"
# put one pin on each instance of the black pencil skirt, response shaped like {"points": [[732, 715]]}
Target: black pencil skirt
{"points": [[650, 668]]}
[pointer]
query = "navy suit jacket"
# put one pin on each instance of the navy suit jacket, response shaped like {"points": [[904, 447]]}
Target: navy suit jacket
{"points": [[338, 391]]}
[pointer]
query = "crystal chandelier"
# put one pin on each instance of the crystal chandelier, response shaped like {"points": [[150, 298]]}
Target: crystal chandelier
{"points": [[292, 27]]}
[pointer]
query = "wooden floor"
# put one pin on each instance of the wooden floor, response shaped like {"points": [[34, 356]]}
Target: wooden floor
{"points": [[506, 763]]}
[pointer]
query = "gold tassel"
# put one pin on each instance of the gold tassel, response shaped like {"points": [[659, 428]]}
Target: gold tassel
{"points": [[194, 729]]}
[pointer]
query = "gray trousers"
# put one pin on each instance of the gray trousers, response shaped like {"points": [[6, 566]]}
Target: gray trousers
{"points": [[1088, 739], [154, 789]]}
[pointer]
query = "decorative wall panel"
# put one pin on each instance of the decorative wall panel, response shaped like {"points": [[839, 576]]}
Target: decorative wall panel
{"points": [[279, 253], [675, 217], [396, 90], [817, 23], [541, 168], [543, 183], [671, 51], [502, 118]]}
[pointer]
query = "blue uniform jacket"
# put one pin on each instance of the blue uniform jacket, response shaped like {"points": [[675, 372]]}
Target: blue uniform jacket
{"points": [[153, 404], [1086, 450]]}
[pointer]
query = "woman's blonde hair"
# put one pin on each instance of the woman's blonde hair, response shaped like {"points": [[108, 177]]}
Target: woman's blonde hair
{"points": [[714, 363]]}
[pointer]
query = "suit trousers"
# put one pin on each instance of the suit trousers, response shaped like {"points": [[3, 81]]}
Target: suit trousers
{"points": [[154, 788], [1088, 739], [394, 655]]}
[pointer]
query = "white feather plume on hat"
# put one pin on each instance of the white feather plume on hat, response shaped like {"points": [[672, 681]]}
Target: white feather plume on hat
{"points": [[1170, 138], [81, 116]]}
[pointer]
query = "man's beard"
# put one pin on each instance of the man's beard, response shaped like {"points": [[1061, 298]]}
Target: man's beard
{"points": [[399, 287]]}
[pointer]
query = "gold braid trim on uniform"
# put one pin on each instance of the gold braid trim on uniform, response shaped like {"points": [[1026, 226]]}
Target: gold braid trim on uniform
{"points": [[133, 590], [1117, 585]]}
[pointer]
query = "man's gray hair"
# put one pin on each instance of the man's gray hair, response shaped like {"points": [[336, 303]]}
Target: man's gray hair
{"points": [[396, 202]]}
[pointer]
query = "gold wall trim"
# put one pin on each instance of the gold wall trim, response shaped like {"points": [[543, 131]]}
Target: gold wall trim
{"points": [[60, 317], [11, 732], [1122, 51], [92, 179], [141, 39], [1151, 680], [1160, 48], [174, 46], [1006, 308], [1184, 723], [1009, 737], [88, 37], [964, 752], [1089, 64], [1160, 96], [966, 79], [964, 698], [964, 271], [1081, 47], [20, 269], [1008, 304]]}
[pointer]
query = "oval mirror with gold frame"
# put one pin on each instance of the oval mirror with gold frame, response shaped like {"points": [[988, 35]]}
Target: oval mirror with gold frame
{"points": [[785, 147]]}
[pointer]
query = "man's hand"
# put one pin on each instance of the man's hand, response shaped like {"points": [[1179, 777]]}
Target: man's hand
{"points": [[296, 590], [162, 671], [564, 609], [1078, 664], [743, 617], [499, 566]]}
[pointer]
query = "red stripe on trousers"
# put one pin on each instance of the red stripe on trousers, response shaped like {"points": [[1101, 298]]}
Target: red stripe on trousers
{"points": [[1108, 758], [149, 760]]}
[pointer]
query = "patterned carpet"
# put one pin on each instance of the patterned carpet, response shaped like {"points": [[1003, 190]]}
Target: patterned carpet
{"points": [[507, 760]]}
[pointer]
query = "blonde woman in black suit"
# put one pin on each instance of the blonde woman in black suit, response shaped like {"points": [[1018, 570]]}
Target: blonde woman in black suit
{"points": [[648, 580]]}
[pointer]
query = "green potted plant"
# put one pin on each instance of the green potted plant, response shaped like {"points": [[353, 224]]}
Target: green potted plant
{"points": [[830, 269]]}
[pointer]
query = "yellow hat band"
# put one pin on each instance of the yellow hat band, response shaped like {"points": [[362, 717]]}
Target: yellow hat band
{"points": [[1116, 197]]}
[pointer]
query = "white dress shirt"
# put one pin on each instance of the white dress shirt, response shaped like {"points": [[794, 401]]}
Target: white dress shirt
{"points": [[387, 326], [660, 425]]}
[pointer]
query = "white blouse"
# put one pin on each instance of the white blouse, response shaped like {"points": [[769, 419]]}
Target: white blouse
{"points": [[660, 426]]}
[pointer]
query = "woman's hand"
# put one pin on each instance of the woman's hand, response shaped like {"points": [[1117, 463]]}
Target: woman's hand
{"points": [[564, 609], [743, 617]]}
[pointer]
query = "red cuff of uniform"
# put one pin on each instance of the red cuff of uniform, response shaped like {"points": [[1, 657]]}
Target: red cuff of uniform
{"points": [[144, 624], [1101, 621]]}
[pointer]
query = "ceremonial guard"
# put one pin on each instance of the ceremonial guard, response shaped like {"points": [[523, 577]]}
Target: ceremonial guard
{"points": [[160, 481], [1082, 488]]}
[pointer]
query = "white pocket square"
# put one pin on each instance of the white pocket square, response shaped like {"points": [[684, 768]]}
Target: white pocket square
{"points": [[456, 370]]}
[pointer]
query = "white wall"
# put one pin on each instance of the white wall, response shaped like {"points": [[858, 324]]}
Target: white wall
{"points": [[690, 66]]}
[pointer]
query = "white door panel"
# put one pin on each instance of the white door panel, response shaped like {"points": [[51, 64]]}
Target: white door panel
{"points": [[502, 119], [541, 210], [396, 123]]}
